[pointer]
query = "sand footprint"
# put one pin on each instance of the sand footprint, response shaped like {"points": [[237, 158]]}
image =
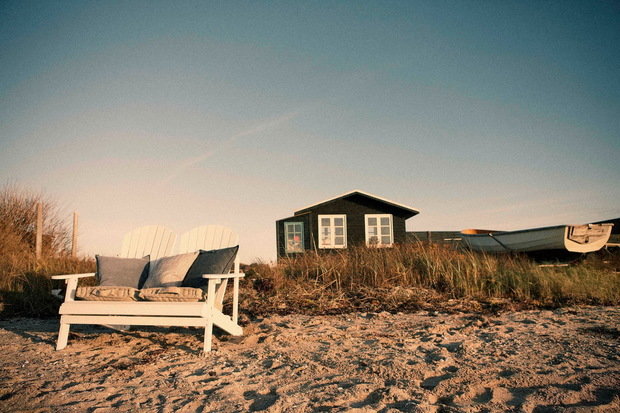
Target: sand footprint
{"points": [[430, 383]]}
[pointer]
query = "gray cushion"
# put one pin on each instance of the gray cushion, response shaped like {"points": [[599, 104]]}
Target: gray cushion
{"points": [[210, 262], [106, 293], [122, 272], [169, 271], [171, 294]]}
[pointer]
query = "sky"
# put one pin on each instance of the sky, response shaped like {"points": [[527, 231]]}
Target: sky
{"points": [[502, 115]]}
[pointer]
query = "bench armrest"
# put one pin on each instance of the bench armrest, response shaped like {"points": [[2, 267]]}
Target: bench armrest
{"points": [[223, 276], [221, 280], [72, 282], [70, 276]]}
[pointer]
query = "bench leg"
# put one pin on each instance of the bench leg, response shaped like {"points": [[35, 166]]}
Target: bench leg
{"points": [[209, 318], [63, 334], [208, 335]]}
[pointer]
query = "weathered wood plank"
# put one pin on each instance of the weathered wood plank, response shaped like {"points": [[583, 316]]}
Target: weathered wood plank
{"points": [[154, 240]]}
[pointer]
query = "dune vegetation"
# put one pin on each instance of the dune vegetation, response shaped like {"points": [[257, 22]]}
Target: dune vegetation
{"points": [[427, 276], [25, 284], [405, 278]]}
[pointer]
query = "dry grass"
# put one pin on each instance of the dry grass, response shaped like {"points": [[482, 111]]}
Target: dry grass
{"points": [[25, 283], [404, 278], [426, 276]]}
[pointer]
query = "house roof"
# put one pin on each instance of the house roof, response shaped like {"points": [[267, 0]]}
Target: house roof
{"points": [[406, 209]]}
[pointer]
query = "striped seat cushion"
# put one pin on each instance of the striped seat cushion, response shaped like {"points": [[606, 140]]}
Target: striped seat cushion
{"points": [[172, 294], [106, 293]]}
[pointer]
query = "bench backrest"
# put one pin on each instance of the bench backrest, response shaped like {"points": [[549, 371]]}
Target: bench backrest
{"points": [[154, 240], [208, 237]]}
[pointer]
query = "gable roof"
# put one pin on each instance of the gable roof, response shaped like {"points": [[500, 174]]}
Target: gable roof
{"points": [[406, 209]]}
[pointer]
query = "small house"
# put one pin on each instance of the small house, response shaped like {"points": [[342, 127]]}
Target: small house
{"points": [[354, 218]]}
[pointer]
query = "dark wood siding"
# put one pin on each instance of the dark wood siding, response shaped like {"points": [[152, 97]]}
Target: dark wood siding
{"points": [[355, 208], [400, 234]]}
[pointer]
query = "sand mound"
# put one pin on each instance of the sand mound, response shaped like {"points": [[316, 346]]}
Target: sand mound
{"points": [[535, 361]]}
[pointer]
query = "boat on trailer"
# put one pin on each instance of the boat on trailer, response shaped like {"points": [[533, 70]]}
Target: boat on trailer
{"points": [[572, 238]]}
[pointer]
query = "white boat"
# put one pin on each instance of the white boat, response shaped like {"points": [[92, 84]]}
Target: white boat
{"points": [[573, 238]]}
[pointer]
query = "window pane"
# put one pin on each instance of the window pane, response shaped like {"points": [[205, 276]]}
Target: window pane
{"points": [[373, 240], [385, 221], [339, 241], [372, 221], [293, 246], [385, 240], [339, 231], [385, 230], [293, 234], [372, 231], [325, 236], [339, 222], [325, 222]]}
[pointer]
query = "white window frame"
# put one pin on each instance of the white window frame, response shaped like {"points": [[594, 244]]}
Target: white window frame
{"points": [[287, 231], [332, 231], [379, 235]]}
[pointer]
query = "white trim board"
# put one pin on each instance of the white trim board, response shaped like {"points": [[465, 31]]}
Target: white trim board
{"points": [[357, 191]]}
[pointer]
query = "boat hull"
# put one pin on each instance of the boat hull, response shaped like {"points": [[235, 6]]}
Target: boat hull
{"points": [[573, 238]]}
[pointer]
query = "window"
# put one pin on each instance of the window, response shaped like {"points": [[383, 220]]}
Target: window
{"points": [[332, 231], [379, 230], [294, 236]]}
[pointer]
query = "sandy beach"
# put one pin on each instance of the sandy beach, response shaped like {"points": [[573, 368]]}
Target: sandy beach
{"points": [[531, 361]]}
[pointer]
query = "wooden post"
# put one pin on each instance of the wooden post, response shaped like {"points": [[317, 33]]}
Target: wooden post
{"points": [[39, 235], [75, 235], [428, 237]]}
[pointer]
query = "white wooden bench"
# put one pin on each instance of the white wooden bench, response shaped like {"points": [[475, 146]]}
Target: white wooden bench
{"points": [[205, 313]]}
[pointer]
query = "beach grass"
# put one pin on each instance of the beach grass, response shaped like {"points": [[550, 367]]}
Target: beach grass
{"points": [[407, 277], [426, 276], [25, 284]]}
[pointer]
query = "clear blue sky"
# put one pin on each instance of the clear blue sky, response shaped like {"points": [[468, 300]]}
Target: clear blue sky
{"points": [[481, 114]]}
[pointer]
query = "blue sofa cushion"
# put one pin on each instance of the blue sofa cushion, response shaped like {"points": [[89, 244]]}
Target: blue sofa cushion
{"points": [[218, 261], [122, 272]]}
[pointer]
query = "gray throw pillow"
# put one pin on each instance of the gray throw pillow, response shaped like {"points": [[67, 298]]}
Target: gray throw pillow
{"points": [[169, 271], [210, 262], [122, 272]]}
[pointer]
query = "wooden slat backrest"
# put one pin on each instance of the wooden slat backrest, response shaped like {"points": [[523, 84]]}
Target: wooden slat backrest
{"points": [[154, 240], [207, 237]]}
